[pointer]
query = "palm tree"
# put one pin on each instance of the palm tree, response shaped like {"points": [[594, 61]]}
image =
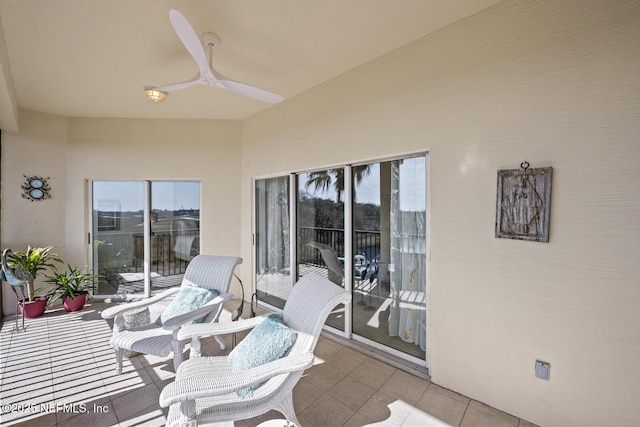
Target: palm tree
{"points": [[324, 179]]}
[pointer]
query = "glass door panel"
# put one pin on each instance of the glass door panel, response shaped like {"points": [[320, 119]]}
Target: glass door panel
{"points": [[119, 234], [389, 289], [320, 230], [272, 244], [175, 231], [118, 212]]}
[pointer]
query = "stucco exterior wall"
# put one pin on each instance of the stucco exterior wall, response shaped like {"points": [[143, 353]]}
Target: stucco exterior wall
{"points": [[76, 150], [557, 84], [201, 150], [40, 149]]}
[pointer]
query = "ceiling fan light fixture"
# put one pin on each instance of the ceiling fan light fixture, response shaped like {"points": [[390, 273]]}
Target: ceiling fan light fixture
{"points": [[155, 95], [207, 76]]}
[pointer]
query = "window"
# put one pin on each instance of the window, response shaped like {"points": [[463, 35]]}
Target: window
{"points": [[361, 226], [144, 234], [272, 240]]}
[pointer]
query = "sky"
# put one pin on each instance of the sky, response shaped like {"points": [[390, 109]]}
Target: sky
{"points": [[129, 195], [412, 186], [169, 195]]}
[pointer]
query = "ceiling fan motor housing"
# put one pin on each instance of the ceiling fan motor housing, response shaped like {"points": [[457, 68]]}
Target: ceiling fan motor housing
{"points": [[211, 39]]}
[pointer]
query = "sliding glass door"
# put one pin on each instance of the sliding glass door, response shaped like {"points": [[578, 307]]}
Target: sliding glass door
{"points": [[175, 231], [272, 240], [361, 226], [143, 234], [118, 235], [320, 230], [389, 287]]}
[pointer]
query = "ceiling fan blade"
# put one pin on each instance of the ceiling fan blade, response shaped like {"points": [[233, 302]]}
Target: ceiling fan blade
{"points": [[252, 91], [208, 76], [178, 86], [189, 39]]}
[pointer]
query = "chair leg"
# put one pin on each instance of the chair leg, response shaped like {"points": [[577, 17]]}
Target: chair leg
{"points": [[187, 413], [286, 408], [178, 348], [220, 341], [119, 354]]}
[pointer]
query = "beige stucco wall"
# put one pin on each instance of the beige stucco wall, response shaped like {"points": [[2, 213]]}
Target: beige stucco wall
{"points": [[202, 150], [557, 84], [199, 150], [73, 151], [40, 149]]}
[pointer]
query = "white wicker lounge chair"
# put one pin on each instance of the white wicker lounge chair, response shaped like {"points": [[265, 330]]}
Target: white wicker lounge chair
{"points": [[204, 390], [204, 271]]}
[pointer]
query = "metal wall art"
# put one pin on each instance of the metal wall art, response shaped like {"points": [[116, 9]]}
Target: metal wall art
{"points": [[523, 203], [35, 188]]}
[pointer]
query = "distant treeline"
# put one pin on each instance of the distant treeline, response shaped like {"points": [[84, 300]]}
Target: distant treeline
{"points": [[325, 213]]}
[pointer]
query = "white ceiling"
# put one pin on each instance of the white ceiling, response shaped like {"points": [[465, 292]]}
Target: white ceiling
{"points": [[93, 58]]}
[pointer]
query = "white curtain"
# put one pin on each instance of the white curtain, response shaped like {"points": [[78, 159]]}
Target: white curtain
{"points": [[276, 234], [407, 268]]}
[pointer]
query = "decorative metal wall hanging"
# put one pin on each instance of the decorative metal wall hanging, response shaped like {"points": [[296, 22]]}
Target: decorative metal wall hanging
{"points": [[523, 203], [36, 188]]}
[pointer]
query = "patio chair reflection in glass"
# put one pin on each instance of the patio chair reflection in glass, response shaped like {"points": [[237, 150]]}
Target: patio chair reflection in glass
{"points": [[200, 298], [209, 390], [364, 273], [186, 239], [335, 270]]}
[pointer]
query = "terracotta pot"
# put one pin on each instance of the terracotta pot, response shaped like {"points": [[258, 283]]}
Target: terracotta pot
{"points": [[32, 309], [76, 303]]}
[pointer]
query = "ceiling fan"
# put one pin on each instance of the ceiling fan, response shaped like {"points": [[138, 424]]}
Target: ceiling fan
{"points": [[207, 75]]}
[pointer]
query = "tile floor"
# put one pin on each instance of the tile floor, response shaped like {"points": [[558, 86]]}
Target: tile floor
{"points": [[61, 372]]}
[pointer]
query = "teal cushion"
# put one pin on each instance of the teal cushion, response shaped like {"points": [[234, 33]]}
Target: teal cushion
{"points": [[189, 298], [268, 341]]}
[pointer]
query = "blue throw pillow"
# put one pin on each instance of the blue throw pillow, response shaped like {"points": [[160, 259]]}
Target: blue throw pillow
{"points": [[268, 341], [189, 298]]}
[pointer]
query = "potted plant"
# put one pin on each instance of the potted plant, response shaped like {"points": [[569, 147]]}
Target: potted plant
{"points": [[72, 286], [33, 261]]}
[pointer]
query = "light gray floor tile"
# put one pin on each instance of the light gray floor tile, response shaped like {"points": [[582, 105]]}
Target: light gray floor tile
{"points": [[323, 376], [117, 385], [253, 422], [405, 387], [136, 401], [326, 348], [35, 414], [441, 404], [305, 394], [346, 360], [385, 410], [27, 391], [162, 370], [480, 415], [80, 390], [358, 420], [66, 410], [352, 392], [91, 419], [373, 373], [66, 358], [149, 418], [328, 411]]}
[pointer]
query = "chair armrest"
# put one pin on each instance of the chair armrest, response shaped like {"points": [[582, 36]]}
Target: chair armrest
{"points": [[212, 329], [177, 321], [215, 385], [112, 312]]}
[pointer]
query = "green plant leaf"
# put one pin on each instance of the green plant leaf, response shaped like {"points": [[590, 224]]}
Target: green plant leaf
{"points": [[70, 283]]}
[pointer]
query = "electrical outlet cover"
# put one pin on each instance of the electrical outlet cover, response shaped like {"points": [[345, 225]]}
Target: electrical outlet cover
{"points": [[543, 370]]}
